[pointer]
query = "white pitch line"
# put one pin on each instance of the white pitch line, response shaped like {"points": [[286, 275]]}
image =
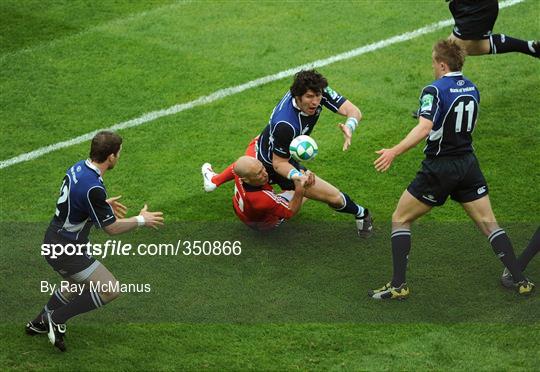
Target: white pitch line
{"points": [[226, 92]]}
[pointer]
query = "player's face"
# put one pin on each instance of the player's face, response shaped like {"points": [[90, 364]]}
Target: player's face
{"points": [[309, 101], [259, 176]]}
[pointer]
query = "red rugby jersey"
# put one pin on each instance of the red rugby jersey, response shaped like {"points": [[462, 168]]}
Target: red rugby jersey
{"points": [[259, 207]]}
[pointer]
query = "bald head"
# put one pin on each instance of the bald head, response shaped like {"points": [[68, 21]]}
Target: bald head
{"points": [[246, 166], [251, 171]]}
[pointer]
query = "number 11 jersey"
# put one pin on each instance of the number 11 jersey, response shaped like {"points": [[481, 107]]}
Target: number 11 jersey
{"points": [[451, 103]]}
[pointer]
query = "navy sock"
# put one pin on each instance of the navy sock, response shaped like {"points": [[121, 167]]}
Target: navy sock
{"points": [[401, 246], [349, 206], [87, 301], [532, 249], [56, 301], [503, 249], [501, 43]]}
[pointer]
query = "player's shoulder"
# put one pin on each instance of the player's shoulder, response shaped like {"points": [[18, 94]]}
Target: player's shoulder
{"points": [[285, 111], [84, 176]]}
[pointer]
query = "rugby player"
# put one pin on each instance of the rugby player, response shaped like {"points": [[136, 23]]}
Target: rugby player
{"points": [[295, 114], [82, 203], [448, 113], [473, 30], [255, 202]]}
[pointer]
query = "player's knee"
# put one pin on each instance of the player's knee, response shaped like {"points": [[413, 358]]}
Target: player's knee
{"points": [[336, 201], [110, 292], [401, 218]]}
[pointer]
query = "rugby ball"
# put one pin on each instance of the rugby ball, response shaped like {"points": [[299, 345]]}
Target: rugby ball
{"points": [[303, 148]]}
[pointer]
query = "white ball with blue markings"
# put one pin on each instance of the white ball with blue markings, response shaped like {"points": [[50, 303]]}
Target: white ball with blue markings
{"points": [[303, 148]]}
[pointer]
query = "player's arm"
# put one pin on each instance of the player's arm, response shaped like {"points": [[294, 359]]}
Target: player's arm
{"points": [[287, 170], [297, 200], [278, 206], [417, 134], [339, 104], [283, 135], [353, 114], [103, 216], [145, 218]]}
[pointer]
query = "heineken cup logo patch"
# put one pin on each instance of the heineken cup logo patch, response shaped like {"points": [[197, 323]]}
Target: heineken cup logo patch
{"points": [[332, 93], [427, 102]]}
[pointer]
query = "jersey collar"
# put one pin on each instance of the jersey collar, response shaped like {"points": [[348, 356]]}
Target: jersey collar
{"points": [[454, 73], [92, 166], [249, 187]]}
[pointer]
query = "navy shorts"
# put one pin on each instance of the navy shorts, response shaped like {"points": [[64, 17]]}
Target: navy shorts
{"points": [[459, 177], [474, 19], [76, 267]]}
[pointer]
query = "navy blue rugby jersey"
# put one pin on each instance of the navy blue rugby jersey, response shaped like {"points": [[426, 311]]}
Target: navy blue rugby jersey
{"points": [[288, 121], [451, 103], [82, 203]]}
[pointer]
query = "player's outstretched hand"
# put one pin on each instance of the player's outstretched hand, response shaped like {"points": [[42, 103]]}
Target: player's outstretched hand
{"points": [[118, 208], [347, 136], [151, 219], [385, 159]]}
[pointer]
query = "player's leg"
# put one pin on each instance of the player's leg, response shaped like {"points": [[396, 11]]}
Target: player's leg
{"points": [[65, 265], [481, 213], [473, 31], [523, 260], [532, 250], [497, 44], [38, 325], [341, 202], [408, 210], [100, 287], [473, 47], [212, 180], [500, 44]]}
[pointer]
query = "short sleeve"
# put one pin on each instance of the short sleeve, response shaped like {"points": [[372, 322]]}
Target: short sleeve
{"points": [[282, 137], [429, 104], [332, 100], [100, 211]]}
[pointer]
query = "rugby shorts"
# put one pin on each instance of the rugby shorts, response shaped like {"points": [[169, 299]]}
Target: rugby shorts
{"points": [[459, 177], [474, 20], [74, 267]]}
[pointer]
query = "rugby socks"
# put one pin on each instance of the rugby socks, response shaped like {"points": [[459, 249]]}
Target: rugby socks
{"points": [[503, 249], [86, 301], [500, 43], [349, 206], [56, 301], [225, 176], [401, 246], [532, 249]]}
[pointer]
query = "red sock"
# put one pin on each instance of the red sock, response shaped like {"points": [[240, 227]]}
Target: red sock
{"points": [[225, 176]]}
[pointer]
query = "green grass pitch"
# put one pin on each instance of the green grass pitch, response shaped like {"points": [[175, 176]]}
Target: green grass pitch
{"points": [[296, 298]]}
